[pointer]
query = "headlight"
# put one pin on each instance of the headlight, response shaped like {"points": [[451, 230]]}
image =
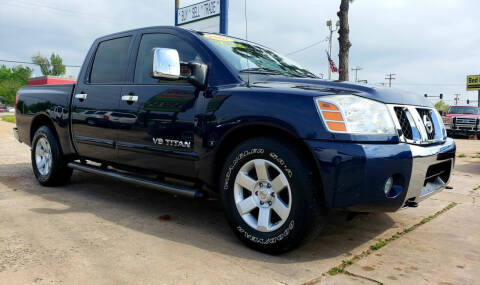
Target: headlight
{"points": [[354, 114]]}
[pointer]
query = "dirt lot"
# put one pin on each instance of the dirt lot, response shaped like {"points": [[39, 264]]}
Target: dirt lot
{"points": [[97, 231]]}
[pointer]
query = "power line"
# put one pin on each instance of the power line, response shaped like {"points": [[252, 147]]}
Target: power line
{"points": [[390, 77], [457, 98], [356, 69], [307, 47], [433, 84], [28, 4], [26, 62]]}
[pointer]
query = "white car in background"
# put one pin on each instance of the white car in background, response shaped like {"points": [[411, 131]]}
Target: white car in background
{"points": [[10, 109]]}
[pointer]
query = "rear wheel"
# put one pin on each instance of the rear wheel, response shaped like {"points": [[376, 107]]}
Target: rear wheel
{"points": [[48, 163], [270, 196]]}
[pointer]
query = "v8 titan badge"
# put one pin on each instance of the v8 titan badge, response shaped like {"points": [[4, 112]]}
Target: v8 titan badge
{"points": [[174, 143]]}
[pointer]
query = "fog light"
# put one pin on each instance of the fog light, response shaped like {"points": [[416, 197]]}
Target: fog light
{"points": [[388, 185]]}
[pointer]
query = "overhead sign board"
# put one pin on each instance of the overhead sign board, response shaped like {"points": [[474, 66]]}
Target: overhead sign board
{"points": [[473, 82], [206, 16], [198, 12]]}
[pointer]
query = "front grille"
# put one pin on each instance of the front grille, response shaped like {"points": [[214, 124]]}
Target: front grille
{"points": [[465, 121], [426, 116], [418, 125], [404, 123]]}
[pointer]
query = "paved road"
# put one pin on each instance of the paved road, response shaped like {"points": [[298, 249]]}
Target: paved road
{"points": [[96, 231]]}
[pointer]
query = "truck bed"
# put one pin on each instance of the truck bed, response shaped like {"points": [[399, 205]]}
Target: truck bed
{"points": [[52, 101]]}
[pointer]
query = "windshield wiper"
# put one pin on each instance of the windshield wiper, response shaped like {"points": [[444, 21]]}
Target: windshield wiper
{"points": [[261, 70]]}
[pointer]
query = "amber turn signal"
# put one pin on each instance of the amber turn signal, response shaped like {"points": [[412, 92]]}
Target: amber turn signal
{"points": [[332, 116]]}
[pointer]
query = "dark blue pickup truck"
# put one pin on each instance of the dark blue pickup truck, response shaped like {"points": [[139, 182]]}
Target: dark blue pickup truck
{"points": [[200, 114]]}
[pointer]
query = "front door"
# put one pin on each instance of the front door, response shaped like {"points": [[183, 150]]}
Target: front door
{"points": [[157, 131], [96, 98]]}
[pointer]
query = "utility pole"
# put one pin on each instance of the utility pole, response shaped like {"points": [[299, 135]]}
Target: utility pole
{"points": [[390, 78], [356, 69], [456, 98], [330, 27]]}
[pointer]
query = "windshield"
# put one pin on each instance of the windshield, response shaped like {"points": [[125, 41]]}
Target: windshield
{"points": [[251, 58], [464, 110]]}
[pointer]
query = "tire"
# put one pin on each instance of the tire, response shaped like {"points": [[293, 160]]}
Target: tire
{"points": [[271, 223], [48, 163]]}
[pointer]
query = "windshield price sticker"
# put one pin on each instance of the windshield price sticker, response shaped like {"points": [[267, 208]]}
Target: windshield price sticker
{"points": [[198, 11]]}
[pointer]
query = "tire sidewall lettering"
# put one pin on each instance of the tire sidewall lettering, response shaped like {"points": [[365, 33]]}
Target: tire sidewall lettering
{"points": [[228, 186]]}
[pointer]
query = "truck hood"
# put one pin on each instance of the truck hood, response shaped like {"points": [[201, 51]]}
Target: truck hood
{"points": [[318, 87], [462, 115]]}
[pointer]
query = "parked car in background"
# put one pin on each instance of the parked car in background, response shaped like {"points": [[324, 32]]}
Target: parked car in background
{"points": [[10, 109], [462, 120]]}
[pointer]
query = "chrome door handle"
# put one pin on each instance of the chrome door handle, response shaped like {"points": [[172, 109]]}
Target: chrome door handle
{"points": [[130, 98], [81, 96]]}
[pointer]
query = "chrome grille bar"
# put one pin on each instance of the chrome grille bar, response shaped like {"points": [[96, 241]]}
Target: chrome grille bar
{"points": [[413, 129]]}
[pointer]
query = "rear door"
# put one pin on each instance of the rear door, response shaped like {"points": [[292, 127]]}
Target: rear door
{"points": [[97, 95], [158, 128]]}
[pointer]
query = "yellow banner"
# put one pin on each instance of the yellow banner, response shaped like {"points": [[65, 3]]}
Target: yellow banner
{"points": [[473, 82]]}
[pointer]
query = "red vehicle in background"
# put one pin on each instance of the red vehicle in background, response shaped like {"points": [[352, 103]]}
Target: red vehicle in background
{"points": [[462, 120]]}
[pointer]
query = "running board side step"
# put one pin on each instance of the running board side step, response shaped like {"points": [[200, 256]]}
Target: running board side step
{"points": [[164, 187]]}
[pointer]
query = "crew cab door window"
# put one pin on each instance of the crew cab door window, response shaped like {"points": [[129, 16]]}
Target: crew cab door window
{"points": [[143, 68], [111, 61]]}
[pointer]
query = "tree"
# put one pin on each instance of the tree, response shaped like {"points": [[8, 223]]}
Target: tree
{"points": [[11, 79], [343, 40], [43, 62], [54, 66], [57, 65], [441, 106]]}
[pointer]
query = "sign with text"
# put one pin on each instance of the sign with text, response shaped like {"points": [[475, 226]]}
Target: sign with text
{"points": [[206, 16], [473, 82], [197, 12]]}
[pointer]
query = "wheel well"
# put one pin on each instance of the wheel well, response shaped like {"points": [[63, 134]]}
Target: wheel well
{"points": [[39, 121], [253, 131]]}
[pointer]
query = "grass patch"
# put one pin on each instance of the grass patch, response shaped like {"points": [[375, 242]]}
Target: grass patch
{"points": [[9, 118], [407, 230], [462, 155], [379, 245], [477, 155], [335, 270], [347, 262], [427, 219], [476, 188]]}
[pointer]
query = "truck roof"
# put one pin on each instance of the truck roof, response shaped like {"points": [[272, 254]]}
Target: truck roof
{"points": [[178, 29]]}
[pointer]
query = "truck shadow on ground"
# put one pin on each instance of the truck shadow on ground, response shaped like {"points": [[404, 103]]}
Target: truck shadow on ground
{"points": [[470, 167], [196, 223]]}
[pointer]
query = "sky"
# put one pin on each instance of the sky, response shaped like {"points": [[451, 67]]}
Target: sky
{"points": [[431, 45]]}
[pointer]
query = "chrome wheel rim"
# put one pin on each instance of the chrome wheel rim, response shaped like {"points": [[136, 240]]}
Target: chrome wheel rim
{"points": [[43, 156], [262, 195]]}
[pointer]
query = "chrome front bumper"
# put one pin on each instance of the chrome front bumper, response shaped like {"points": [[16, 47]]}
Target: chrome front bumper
{"points": [[431, 169]]}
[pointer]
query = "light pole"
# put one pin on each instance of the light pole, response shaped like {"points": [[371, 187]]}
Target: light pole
{"points": [[330, 27], [356, 69]]}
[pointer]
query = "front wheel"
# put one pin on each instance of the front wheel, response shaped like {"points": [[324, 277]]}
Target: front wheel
{"points": [[48, 163], [270, 196]]}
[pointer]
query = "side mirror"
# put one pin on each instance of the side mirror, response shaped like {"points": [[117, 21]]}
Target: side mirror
{"points": [[198, 76], [166, 63]]}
